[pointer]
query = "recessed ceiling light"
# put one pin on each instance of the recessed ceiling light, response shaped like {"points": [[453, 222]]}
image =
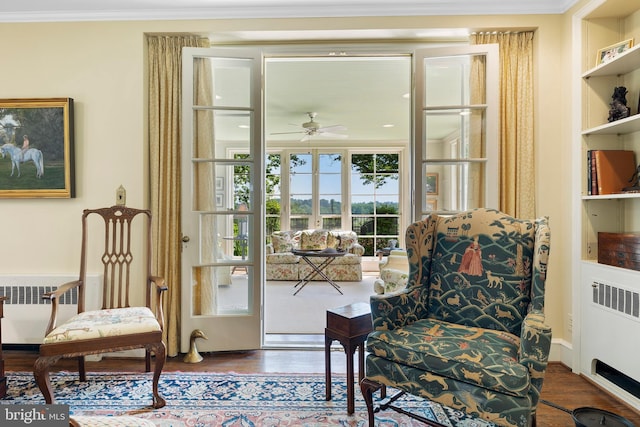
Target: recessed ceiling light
{"points": [[388, 125], [406, 95], [243, 126]]}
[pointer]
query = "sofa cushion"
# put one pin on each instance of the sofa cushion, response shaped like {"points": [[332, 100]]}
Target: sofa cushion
{"points": [[347, 259], [313, 239], [344, 240], [282, 258], [478, 356], [285, 241]]}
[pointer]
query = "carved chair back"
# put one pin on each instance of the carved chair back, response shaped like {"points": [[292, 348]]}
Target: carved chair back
{"points": [[121, 256]]}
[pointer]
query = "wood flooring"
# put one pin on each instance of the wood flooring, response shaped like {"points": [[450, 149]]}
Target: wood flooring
{"points": [[561, 386]]}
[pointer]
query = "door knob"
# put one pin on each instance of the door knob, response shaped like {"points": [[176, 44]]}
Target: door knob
{"points": [[185, 239]]}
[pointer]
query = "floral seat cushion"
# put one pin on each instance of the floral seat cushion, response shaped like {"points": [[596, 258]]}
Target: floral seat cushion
{"points": [[482, 357], [104, 323]]}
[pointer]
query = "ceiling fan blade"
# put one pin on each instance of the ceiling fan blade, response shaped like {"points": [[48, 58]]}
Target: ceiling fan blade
{"points": [[331, 128], [332, 135], [285, 133]]}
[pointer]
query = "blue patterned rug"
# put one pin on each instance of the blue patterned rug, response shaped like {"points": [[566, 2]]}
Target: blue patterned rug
{"points": [[216, 399]]}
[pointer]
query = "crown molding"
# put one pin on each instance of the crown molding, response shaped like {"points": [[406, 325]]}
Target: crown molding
{"points": [[141, 10]]}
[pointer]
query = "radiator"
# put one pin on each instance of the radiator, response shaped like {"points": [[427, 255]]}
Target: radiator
{"points": [[610, 324], [26, 314]]}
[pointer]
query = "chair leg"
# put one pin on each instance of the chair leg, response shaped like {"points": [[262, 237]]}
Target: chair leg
{"points": [[147, 361], [41, 375], [368, 387], [82, 373], [160, 354]]}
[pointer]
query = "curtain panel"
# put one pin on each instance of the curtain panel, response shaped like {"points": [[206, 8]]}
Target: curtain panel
{"points": [[517, 150], [164, 135]]}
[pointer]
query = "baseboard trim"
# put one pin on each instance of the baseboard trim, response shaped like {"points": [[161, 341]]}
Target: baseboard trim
{"points": [[561, 351]]}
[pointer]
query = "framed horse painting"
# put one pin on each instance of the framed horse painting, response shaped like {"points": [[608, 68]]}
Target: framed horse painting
{"points": [[36, 148]]}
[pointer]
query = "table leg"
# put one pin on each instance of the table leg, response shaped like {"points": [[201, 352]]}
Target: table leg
{"points": [[349, 348], [360, 362], [327, 366], [316, 270]]}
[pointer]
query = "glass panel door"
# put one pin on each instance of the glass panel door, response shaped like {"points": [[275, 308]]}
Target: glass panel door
{"points": [[455, 125], [221, 208]]}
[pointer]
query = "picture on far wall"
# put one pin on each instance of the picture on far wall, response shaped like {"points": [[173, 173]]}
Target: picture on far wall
{"points": [[36, 148], [431, 184]]}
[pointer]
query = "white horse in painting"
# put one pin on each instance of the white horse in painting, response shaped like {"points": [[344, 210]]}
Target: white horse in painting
{"points": [[17, 157]]}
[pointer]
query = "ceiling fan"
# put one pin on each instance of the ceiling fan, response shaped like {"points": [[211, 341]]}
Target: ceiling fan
{"points": [[313, 128]]}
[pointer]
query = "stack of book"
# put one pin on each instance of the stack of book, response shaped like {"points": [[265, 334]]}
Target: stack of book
{"points": [[609, 171]]}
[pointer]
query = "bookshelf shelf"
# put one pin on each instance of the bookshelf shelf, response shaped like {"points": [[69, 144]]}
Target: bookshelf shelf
{"points": [[619, 127], [626, 62], [612, 196]]}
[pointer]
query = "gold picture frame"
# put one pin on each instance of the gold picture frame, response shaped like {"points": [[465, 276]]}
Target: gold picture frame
{"points": [[609, 53], [36, 148], [431, 184]]}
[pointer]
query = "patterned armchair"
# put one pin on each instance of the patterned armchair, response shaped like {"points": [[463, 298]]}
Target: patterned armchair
{"points": [[469, 330]]}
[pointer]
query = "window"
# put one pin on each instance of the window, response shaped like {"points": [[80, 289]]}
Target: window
{"points": [[375, 199]]}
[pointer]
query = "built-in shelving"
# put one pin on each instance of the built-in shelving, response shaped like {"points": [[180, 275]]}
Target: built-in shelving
{"points": [[602, 23]]}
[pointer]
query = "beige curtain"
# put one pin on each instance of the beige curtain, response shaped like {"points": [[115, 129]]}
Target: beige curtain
{"points": [[165, 94], [517, 173]]}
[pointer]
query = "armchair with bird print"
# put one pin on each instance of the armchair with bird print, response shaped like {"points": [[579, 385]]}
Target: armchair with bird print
{"points": [[468, 331]]}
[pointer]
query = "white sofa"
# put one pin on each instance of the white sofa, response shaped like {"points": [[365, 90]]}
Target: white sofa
{"points": [[283, 264]]}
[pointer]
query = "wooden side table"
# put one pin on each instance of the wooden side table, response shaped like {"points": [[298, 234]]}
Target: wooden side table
{"points": [[3, 379], [350, 325]]}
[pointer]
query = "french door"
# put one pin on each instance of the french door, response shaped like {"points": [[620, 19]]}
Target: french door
{"points": [[455, 159], [454, 167], [222, 207]]}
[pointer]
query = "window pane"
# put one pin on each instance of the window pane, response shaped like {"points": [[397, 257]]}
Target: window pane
{"points": [[362, 205], [454, 187], [448, 80], [454, 134], [273, 206], [299, 224], [227, 79], [334, 223], [386, 163]]}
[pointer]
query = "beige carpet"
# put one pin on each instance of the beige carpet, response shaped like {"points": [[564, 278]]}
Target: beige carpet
{"points": [[306, 312]]}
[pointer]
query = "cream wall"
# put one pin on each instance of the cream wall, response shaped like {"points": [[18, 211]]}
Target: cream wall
{"points": [[102, 66]]}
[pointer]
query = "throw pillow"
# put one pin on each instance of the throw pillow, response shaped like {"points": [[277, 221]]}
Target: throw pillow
{"points": [[282, 241], [313, 240]]}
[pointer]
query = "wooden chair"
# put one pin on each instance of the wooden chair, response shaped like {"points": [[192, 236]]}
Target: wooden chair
{"points": [[117, 325]]}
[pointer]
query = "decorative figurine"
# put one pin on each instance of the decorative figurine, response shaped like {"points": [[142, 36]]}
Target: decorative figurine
{"points": [[193, 356], [634, 181], [619, 109]]}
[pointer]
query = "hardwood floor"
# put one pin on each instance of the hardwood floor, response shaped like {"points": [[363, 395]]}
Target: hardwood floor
{"points": [[561, 386]]}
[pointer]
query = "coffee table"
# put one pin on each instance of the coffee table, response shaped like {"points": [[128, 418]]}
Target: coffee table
{"points": [[317, 269]]}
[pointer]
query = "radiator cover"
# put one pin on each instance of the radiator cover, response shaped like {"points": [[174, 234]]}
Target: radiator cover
{"points": [[610, 325], [26, 314]]}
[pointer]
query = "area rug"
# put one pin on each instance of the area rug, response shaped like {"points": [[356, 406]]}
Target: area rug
{"points": [[222, 399]]}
